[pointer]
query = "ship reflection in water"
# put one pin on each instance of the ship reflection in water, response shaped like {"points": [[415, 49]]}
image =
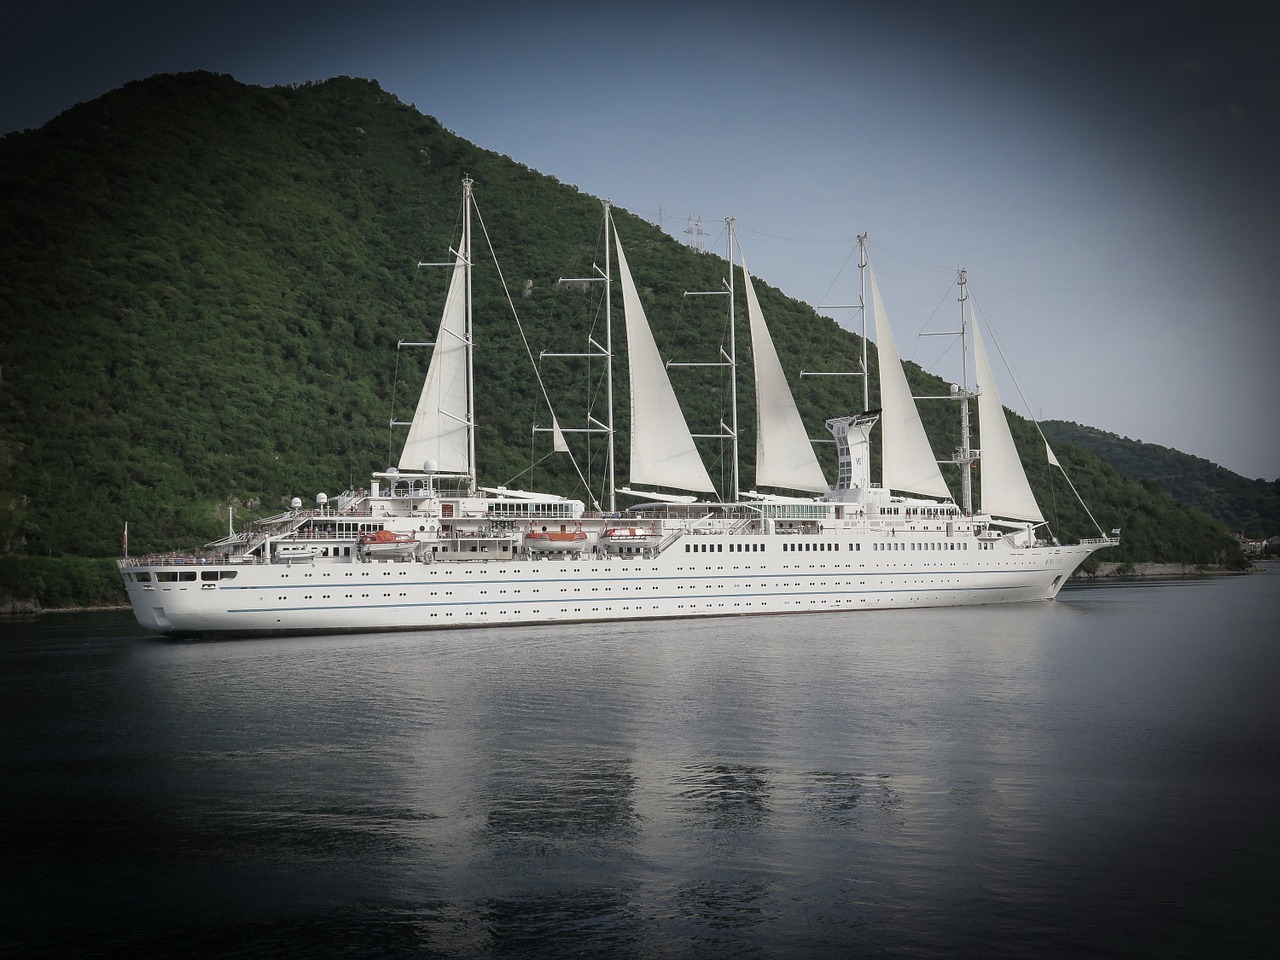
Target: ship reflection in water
{"points": [[1092, 777]]}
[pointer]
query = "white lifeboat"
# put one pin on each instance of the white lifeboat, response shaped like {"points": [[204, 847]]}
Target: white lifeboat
{"points": [[629, 540]]}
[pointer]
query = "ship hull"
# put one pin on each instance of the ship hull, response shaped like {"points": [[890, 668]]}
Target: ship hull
{"points": [[703, 577]]}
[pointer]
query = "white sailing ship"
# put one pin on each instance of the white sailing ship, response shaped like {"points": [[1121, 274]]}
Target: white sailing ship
{"points": [[460, 555]]}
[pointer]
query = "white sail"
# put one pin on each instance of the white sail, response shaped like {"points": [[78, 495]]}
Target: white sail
{"points": [[662, 449], [907, 459], [439, 431], [558, 442], [784, 455], [1005, 491]]}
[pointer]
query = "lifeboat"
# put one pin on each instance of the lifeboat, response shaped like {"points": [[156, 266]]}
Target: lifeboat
{"points": [[290, 554], [629, 540], [386, 545], [555, 541]]}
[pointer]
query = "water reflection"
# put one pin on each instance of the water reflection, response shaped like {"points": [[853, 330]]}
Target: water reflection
{"points": [[849, 799], [1086, 778], [727, 903], [595, 922], [535, 802], [726, 796]]}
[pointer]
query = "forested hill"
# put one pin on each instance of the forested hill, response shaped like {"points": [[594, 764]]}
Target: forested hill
{"points": [[1248, 506], [203, 286]]}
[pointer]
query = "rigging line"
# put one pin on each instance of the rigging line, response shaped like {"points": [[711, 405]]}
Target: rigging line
{"points": [[524, 339], [597, 251], [391, 430], [1053, 492], [715, 243], [908, 258], [1067, 478], [937, 362], [775, 236], [936, 307], [514, 477], [1003, 359], [905, 257], [1036, 423], [839, 273]]}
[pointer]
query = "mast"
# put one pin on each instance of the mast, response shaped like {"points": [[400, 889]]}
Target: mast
{"points": [[965, 455], [594, 425], [728, 359], [467, 201], [442, 430], [733, 367], [608, 349], [862, 309]]}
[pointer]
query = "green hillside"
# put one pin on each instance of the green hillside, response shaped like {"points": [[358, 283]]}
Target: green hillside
{"points": [[1251, 507], [204, 284]]}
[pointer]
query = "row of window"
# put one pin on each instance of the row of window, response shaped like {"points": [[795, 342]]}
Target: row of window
{"points": [[613, 606], [341, 529], [753, 547], [180, 576], [821, 603], [795, 511], [802, 546], [520, 510], [946, 545]]}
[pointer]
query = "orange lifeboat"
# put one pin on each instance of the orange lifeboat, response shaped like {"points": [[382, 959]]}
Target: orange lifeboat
{"points": [[555, 541], [386, 545]]}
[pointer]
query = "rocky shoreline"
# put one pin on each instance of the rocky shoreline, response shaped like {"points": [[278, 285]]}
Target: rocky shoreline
{"points": [[26, 608], [1134, 571]]}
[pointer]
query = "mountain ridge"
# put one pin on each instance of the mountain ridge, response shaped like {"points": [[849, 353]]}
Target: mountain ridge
{"points": [[1249, 507], [223, 274]]}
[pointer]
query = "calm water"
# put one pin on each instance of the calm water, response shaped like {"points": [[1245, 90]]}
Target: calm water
{"points": [[1094, 777]]}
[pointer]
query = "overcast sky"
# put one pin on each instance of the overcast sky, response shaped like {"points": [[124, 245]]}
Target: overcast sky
{"points": [[1109, 174]]}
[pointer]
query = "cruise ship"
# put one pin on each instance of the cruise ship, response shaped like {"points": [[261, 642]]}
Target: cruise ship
{"points": [[424, 546]]}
